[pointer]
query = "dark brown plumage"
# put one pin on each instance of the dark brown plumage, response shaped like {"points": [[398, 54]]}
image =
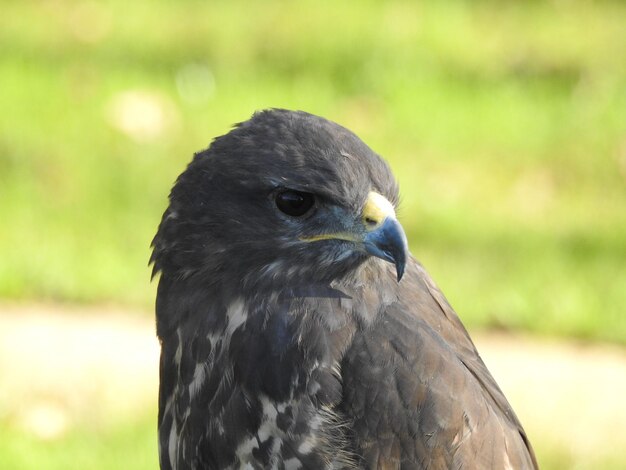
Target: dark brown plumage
{"points": [[289, 340]]}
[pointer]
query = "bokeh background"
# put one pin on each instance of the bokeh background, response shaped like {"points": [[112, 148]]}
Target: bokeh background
{"points": [[505, 122]]}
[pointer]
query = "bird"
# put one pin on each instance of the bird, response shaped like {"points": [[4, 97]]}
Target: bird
{"points": [[296, 329]]}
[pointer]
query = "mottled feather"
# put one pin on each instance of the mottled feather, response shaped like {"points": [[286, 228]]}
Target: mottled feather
{"points": [[276, 353]]}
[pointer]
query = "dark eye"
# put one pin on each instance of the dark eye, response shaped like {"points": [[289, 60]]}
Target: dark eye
{"points": [[294, 203]]}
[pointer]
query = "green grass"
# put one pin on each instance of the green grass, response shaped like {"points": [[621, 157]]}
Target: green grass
{"points": [[121, 445], [505, 121]]}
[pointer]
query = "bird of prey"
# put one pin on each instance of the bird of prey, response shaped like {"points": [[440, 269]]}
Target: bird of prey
{"points": [[296, 330]]}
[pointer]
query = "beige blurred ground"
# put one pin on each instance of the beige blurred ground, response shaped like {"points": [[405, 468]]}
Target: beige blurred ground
{"points": [[57, 362], [571, 394], [62, 366]]}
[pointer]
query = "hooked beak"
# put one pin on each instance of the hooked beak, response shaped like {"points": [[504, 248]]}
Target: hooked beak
{"points": [[388, 242], [385, 237], [379, 233]]}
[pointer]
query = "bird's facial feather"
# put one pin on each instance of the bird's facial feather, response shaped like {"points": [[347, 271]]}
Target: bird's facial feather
{"points": [[223, 207], [377, 232]]}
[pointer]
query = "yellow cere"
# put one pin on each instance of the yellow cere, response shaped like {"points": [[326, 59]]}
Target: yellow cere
{"points": [[377, 209]]}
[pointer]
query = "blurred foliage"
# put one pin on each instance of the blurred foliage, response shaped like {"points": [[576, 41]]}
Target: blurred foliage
{"points": [[119, 445], [504, 121]]}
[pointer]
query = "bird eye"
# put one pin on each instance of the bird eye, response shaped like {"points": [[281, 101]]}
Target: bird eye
{"points": [[294, 203]]}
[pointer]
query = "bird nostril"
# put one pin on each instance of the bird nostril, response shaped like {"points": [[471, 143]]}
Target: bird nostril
{"points": [[371, 222]]}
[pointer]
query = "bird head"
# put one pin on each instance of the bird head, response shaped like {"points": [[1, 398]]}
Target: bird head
{"points": [[284, 198]]}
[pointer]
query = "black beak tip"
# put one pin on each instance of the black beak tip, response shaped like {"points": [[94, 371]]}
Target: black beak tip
{"points": [[400, 270], [389, 242], [399, 258]]}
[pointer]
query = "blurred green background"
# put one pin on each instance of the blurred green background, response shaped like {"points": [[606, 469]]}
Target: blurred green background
{"points": [[504, 121]]}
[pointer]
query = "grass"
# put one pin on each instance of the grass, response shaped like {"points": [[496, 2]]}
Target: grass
{"points": [[504, 121], [505, 124], [121, 445]]}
